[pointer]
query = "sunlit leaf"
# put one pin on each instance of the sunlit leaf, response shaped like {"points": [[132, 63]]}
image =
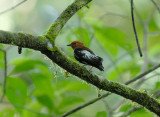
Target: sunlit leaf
{"points": [[36, 108], [142, 113], [42, 83], [16, 91], [153, 25], [46, 101], [111, 39], [101, 114], [66, 86], [157, 86], [80, 34], [7, 113], [24, 65], [70, 100], [83, 35], [125, 107], [1, 59]]}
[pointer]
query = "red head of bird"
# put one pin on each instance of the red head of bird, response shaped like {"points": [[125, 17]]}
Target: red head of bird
{"points": [[76, 44]]}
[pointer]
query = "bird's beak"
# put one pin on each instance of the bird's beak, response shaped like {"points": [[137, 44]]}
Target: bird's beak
{"points": [[69, 45]]}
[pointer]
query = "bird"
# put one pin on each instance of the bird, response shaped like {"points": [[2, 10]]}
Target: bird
{"points": [[86, 56]]}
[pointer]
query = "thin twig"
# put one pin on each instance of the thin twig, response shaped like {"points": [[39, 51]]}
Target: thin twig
{"points": [[84, 105], [134, 27], [158, 8], [107, 94], [5, 74], [143, 74], [12, 7]]}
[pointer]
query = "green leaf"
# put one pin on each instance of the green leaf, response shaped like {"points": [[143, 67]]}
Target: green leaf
{"points": [[1, 59], [7, 113], [70, 100], [65, 86], [130, 66], [125, 107], [83, 35], [24, 65], [111, 39], [35, 106], [46, 101], [101, 114], [1, 46], [142, 113], [153, 25], [42, 83], [16, 91], [157, 86]]}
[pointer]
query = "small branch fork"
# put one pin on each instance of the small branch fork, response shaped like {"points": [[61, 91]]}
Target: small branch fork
{"points": [[134, 28]]}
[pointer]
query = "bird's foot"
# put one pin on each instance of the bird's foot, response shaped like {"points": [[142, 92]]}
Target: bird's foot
{"points": [[90, 69]]}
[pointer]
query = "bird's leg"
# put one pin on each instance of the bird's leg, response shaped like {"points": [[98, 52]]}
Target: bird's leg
{"points": [[90, 68]]}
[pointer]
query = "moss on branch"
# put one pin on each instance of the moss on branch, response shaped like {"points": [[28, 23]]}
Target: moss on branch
{"points": [[64, 17], [23, 40]]}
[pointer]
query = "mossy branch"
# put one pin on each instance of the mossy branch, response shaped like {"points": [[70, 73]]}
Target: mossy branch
{"points": [[23, 40], [64, 17], [41, 43]]}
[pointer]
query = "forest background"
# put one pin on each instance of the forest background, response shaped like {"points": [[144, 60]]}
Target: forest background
{"points": [[31, 85]]}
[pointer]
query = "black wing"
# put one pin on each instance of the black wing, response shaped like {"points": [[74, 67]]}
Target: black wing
{"points": [[88, 57]]}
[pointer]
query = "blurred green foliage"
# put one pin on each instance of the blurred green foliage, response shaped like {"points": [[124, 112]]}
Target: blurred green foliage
{"points": [[38, 88]]}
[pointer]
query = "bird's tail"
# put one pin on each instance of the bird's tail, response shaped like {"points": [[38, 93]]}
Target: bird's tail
{"points": [[100, 67]]}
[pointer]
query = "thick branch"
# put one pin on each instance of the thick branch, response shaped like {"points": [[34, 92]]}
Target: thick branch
{"points": [[23, 40]]}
